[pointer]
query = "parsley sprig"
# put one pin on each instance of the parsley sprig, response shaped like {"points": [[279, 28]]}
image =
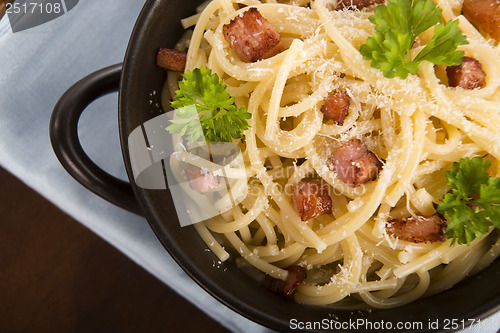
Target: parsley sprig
{"points": [[473, 205], [206, 110], [397, 25]]}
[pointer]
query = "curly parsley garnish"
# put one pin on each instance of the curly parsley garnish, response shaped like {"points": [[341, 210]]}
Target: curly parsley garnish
{"points": [[473, 205], [397, 25], [214, 109]]}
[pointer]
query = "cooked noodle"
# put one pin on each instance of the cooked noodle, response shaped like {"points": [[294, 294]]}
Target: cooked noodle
{"points": [[418, 127]]}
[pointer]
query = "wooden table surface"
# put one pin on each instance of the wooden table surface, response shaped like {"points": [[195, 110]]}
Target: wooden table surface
{"points": [[58, 276]]}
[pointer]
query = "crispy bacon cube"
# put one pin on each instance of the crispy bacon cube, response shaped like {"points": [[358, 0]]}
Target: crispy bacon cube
{"points": [[354, 163], [468, 75], [311, 199], [485, 14], [171, 59], [418, 229], [201, 180], [296, 274], [252, 36], [336, 106], [358, 4]]}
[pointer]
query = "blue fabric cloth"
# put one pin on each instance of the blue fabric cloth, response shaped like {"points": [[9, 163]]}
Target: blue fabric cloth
{"points": [[37, 66]]}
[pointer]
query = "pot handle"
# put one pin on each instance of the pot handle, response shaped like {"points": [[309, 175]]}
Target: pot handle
{"points": [[66, 144]]}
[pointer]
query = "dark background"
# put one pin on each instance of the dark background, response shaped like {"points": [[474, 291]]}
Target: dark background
{"points": [[58, 276]]}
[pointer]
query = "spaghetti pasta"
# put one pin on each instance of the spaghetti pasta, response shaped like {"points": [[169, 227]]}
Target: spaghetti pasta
{"points": [[417, 127]]}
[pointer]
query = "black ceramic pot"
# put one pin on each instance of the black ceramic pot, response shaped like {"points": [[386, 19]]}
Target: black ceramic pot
{"points": [[159, 26]]}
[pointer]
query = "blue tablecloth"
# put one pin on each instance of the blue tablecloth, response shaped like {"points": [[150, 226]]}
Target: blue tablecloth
{"points": [[36, 67]]}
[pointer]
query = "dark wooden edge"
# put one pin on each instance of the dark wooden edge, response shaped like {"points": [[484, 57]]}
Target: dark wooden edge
{"points": [[2, 6]]}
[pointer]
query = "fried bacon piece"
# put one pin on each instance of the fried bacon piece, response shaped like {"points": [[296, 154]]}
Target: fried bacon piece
{"points": [[418, 229], [358, 4], [336, 106], [311, 199], [252, 36], [485, 14], [354, 163], [172, 60], [468, 75], [201, 180], [296, 274]]}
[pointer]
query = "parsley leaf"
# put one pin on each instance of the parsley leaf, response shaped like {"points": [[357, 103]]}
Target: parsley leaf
{"points": [[397, 25], [473, 205], [205, 110]]}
